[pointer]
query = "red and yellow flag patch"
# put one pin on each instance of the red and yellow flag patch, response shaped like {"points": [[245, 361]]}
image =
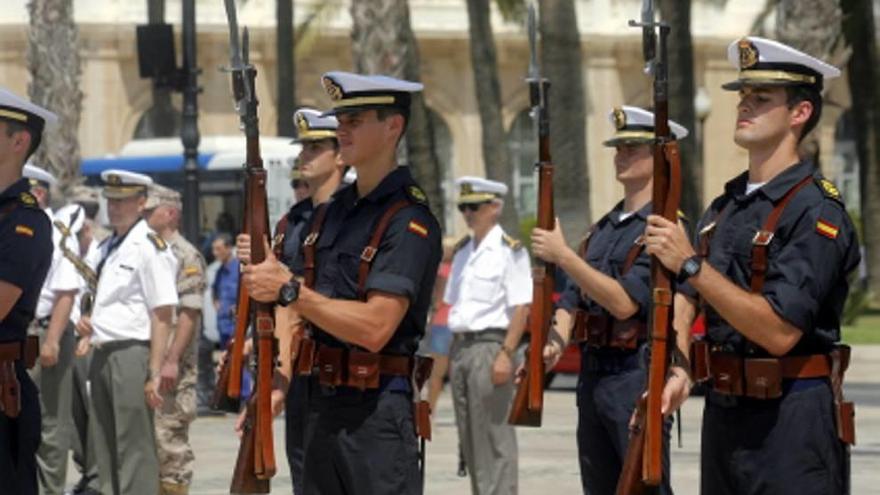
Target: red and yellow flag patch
{"points": [[24, 230], [417, 228], [827, 229]]}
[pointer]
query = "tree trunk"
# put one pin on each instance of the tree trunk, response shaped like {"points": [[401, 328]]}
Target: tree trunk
{"points": [[681, 102], [54, 63], [864, 84], [488, 89], [813, 27], [562, 64], [286, 82], [382, 42]]}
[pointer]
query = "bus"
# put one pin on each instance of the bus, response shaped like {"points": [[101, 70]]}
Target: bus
{"points": [[221, 174]]}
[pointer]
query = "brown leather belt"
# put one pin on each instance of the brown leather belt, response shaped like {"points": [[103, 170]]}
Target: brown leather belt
{"points": [[759, 378], [601, 331], [27, 350], [337, 366]]}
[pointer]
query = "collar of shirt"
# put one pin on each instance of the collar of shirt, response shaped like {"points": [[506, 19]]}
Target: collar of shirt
{"points": [[774, 189], [614, 215], [394, 181], [15, 189], [490, 242]]}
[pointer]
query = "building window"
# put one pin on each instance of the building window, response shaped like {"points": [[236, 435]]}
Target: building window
{"points": [[522, 142]]}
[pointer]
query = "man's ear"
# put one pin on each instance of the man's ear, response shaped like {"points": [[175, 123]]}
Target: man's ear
{"points": [[801, 113]]}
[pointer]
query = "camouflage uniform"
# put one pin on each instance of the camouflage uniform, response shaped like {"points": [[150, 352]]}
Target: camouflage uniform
{"points": [[179, 410]]}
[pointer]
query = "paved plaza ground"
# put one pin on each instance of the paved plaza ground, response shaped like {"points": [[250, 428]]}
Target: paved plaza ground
{"points": [[548, 455]]}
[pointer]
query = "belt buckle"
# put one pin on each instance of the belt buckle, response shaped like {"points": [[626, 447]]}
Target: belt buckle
{"points": [[762, 238], [310, 239], [368, 254]]}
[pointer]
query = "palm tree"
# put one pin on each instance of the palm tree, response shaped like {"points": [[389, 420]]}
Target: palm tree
{"points": [[562, 64], [681, 101], [864, 86], [54, 63], [382, 42], [485, 68]]}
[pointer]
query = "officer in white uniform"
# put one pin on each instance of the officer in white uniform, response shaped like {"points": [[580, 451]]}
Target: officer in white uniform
{"points": [[130, 323], [52, 323], [489, 290]]}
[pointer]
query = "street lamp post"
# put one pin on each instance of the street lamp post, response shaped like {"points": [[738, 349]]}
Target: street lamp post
{"points": [[189, 129]]}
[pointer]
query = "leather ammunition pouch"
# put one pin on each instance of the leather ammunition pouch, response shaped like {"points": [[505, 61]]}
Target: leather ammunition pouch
{"points": [[602, 331], [10, 388]]}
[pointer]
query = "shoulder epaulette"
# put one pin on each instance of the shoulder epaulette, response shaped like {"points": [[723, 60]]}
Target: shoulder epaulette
{"points": [[512, 243], [157, 241], [29, 200], [828, 189], [461, 244], [416, 194]]}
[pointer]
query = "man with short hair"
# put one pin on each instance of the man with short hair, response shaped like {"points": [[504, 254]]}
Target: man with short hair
{"points": [[25, 257], [129, 328], [774, 252], [369, 261], [178, 372], [488, 291]]}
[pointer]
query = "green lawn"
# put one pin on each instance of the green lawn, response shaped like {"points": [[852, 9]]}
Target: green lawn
{"points": [[865, 331]]}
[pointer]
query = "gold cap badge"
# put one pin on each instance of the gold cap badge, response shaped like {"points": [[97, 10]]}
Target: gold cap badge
{"points": [[748, 54], [302, 124], [332, 89], [619, 117]]}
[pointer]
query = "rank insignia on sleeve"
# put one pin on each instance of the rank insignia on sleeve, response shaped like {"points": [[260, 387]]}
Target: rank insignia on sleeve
{"points": [[511, 242], [28, 199], [417, 194], [24, 230], [829, 188], [157, 241], [418, 229], [826, 229], [191, 270]]}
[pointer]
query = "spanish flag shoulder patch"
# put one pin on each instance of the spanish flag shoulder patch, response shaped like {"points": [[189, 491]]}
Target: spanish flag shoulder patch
{"points": [[417, 228], [24, 230], [828, 230]]}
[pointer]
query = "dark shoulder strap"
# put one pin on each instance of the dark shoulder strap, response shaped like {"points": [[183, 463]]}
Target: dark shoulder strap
{"points": [[369, 252], [765, 235], [633, 254], [310, 244]]}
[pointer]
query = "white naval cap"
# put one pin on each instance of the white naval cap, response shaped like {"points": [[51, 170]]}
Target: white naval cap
{"points": [[634, 125], [353, 92], [763, 62], [479, 190], [38, 176], [120, 184], [14, 108], [312, 125], [71, 217]]}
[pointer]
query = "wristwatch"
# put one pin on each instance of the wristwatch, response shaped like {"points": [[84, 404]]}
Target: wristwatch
{"points": [[288, 292], [689, 268]]}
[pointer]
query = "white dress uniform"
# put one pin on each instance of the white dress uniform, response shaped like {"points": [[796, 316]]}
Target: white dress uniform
{"points": [[55, 394], [136, 275], [487, 282]]}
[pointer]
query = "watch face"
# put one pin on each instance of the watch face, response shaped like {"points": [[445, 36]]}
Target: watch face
{"points": [[691, 266]]}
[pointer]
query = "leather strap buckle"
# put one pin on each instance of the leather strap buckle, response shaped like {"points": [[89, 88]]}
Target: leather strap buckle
{"points": [[762, 238], [310, 239], [368, 254]]}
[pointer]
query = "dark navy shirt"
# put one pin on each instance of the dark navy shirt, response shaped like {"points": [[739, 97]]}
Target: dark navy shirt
{"points": [[809, 258], [295, 221], [609, 244], [25, 255], [407, 259]]}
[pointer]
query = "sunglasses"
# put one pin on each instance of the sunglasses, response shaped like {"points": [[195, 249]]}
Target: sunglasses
{"points": [[472, 207]]}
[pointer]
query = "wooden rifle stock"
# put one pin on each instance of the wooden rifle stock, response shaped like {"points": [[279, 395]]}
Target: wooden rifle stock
{"points": [[528, 404], [235, 356], [244, 480], [630, 481]]}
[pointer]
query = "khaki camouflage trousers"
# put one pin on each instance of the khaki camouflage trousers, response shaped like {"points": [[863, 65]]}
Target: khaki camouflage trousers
{"points": [[172, 425]]}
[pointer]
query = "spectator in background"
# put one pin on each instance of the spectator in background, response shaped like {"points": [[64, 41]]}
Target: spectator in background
{"points": [[225, 286], [441, 336]]}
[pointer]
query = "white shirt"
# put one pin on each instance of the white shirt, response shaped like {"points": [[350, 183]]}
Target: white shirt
{"points": [[486, 282], [62, 275], [136, 278]]}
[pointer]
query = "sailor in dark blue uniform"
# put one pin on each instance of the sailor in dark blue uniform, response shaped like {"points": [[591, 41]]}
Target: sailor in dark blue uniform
{"points": [[25, 256], [606, 305], [367, 270], [771, 264]]}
